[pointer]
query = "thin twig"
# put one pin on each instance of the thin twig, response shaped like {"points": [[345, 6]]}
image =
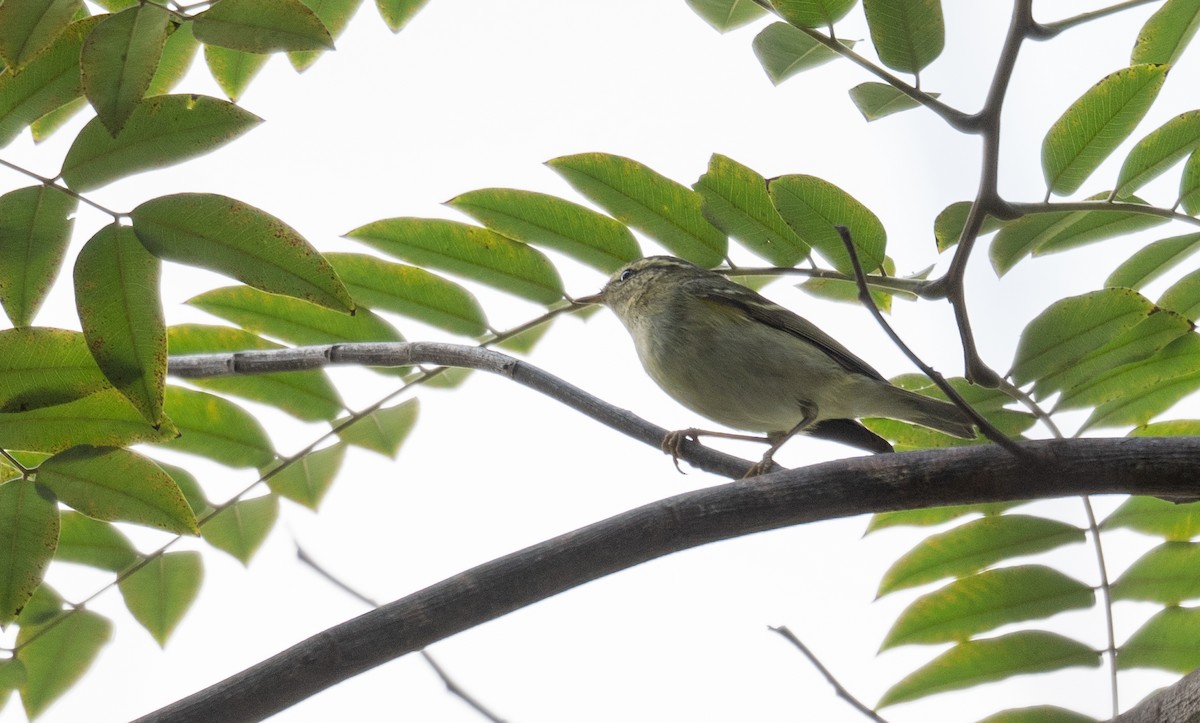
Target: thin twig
{"points": [[1106, 593], [837, 686], [915, 287], [50, 182], [1025, 209], [864, 294], [1045, 31], [451, 685]]}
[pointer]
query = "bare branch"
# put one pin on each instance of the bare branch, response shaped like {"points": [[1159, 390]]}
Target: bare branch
{"points": [[389, 354], [1164, 466], [837, 686]]}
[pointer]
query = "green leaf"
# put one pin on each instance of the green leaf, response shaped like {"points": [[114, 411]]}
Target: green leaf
{"points": [[397, 13], [190, 488], [48, 81], [110, 484], [470, 251], [162, 131], [1170, 640], [982, 661], [117, 297], [991, 403], [1135, 393], [30, 26], [334, 15], [908, 34], [35, 227], [1153, 261], [383, 430], [949, 224], [232, 69], [294, 321], [1096, 124], [985, 601], [218, 429], [726, 15], [59, 656], [161, 592], [12, 675], [41, 367], [544, 220], [813, 207], [735, 200], [307, 395], [175, 61], [1039, 714], [92, 542], [1140, 341], [1071, 328], [642, 198], [28, 535], [975, 545], [118, 61], [241, 527], [784, 50], [1162, 148], [47, 125], [1167, 33], [262, 26], [1189, 184], [1167, 574], [813, 13], [230, 237], [104, 418], [1183, 296], [45, 605], [1150, 515], [308, 479], [1046, 233], [878, 100], [930, 516], [410, 291], [525, 340]]}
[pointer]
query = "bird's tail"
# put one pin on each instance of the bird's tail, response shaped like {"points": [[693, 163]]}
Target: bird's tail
{"points": [[929, 412]]}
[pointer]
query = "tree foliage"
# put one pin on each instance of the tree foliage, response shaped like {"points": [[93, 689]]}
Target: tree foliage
{"points": [[72, 403]]}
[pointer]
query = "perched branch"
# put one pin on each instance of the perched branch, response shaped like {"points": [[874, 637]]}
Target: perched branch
{"points": [[1164, 466], [1178, 703], [393, 354], [837, 686]]}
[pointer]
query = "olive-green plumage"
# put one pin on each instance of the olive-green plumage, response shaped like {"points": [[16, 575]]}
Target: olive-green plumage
{"points": [[734, 356]]}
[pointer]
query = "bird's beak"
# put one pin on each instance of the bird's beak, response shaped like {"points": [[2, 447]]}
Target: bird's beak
{"points": [[592, 299]]}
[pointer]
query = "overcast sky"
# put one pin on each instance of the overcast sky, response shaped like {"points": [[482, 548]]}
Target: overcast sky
{"points": [[477, 93]]}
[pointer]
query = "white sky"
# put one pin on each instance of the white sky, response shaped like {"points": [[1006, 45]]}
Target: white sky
{"points": [[476, 94]]}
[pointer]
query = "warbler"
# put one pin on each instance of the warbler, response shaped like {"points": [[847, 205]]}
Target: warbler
{"points": [[732, 355]]}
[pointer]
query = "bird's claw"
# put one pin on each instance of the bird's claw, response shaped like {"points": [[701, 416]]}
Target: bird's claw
{"points": [[673, 444]]}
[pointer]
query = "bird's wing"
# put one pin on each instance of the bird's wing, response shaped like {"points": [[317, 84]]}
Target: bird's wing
{"points": [[761, 309]]}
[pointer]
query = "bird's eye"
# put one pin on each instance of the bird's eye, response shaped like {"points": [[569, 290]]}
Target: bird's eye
{"points": [[626, 274]]}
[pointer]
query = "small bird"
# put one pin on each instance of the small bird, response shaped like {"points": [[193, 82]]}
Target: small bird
{"points": [[732, 355]]}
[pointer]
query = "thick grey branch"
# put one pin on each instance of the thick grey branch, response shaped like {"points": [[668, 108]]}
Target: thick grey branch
{"points": [[1178, 703], [959, 475]]}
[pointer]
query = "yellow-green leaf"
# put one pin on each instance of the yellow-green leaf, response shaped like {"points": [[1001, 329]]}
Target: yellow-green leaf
{"points": [[241, 528], [262, 26], [230, 237], [161, 591], [118, 61], [111, 484], [35, 227], [1096, 124], [28, 535], [162, 131], [59, 656], [813, 207], [117, 297], [470, 251], [218, 429]]}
